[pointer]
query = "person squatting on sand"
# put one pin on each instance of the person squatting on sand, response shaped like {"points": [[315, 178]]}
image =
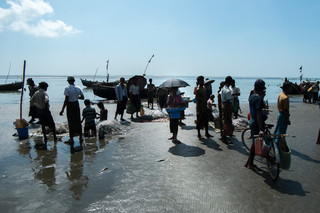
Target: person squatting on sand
{"points": [[72, 94], [103, 115], [40, 100], [174, 100], [89, 115], [227, 109], [122, 98], [201, 108], [33, 109], [256, 105]]}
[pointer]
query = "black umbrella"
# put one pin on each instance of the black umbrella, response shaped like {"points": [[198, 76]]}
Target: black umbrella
{"points": [[141, 81], [209, 81], [173, 82]]}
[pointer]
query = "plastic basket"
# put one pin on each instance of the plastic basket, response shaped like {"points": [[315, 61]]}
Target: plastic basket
{"points": [[23, 133], [175, 113]]}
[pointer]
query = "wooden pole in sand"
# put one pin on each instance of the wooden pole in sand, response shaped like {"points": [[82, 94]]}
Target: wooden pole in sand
{"points": [[23, 76]]}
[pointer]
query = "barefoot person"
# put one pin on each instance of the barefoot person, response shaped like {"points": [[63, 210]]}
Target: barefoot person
{"points": [[174, 100], [202, 111], [33, 109], [41, 100], [72, 94], [151, 91], [256, 105], [122, 98]]}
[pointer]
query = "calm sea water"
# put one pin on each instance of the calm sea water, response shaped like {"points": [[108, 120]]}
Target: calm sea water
{"points": [[58, 83]]}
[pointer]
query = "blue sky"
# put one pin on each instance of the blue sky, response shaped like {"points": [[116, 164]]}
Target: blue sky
{"points": [[215, 38]]}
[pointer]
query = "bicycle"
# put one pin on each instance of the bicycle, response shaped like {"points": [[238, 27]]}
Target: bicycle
{"points": [[273, 157], [246, 136]]}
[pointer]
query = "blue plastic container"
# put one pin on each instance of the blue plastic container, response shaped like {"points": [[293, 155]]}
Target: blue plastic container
{"points": [[175, 113], [23, 133]]}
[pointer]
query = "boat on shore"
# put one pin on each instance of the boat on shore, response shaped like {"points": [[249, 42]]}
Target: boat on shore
{"points": [[107, 90], [12, 86]]}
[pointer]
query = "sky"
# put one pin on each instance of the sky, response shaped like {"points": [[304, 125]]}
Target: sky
{"points": [[216, 38]]}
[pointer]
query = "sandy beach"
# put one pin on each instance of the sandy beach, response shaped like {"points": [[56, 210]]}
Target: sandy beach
{"points": [[142, 171]]}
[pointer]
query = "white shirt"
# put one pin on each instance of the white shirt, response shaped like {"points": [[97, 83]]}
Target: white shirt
{"points": [[134, 90], [73, 92], [226, 94], [40, 99]]}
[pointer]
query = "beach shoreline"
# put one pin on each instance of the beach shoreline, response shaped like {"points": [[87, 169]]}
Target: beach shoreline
{"points": [[142, 171]]}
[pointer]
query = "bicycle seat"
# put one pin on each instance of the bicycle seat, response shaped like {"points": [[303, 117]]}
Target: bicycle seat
{"points": [[269, 126]]}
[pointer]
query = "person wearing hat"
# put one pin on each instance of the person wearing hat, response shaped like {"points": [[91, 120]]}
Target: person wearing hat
{"points": [[41, 100], [72, 94], [256, 105], [33, 109]]}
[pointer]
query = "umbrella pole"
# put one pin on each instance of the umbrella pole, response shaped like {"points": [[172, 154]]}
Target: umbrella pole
{"points": [[23, 77]]}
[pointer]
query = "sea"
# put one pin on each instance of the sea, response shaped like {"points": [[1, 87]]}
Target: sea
{"points": [[58, 83]]}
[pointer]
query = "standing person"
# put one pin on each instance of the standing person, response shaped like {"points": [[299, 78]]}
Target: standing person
{"points": [[72, 94], [235, 98], [220, 107], [162, 97], [318, 140], [201, 107], [89, 115], [210, 105], [174, 100], [283, 106], [208, 87], [315, 91], [32, 90], [103, 115], [135, 96], [122, 98], [151, 90], [226, 100], [41, 100], [256, 124]]}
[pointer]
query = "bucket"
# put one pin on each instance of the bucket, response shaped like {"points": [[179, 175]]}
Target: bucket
{"points": [[23, 133]]}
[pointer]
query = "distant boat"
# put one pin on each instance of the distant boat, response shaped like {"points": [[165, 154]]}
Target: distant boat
{"points": [[11, 87]]}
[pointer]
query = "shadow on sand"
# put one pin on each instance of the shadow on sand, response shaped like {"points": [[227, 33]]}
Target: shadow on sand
{"points": [[211, 144], [284, 186], [303, 156], [186, 151]]}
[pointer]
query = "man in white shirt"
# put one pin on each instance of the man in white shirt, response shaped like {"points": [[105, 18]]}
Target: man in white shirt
{"points": [[226, 99], [72, 94], [235, 98], [135, 96]]}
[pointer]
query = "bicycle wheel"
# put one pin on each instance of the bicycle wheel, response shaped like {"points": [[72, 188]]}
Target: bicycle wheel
{"points": [[246, 138], [273, 165]]}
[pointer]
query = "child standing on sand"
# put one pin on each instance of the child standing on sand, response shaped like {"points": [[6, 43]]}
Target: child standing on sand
{"points": [[89, 114]]}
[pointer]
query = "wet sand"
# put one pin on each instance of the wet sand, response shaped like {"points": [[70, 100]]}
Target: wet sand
{"points": [[142, 171]]}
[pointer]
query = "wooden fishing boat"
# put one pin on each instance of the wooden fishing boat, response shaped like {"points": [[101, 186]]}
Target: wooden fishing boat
{"points": [[107, 90], [88, 83], [11, 87]]}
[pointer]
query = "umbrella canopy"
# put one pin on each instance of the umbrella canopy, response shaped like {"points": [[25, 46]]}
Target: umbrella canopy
{"points": [[141, 81], [173, 82], [209, 81]]}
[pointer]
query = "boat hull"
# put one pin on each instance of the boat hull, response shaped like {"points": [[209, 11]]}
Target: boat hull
{"points": [[11, 87]]}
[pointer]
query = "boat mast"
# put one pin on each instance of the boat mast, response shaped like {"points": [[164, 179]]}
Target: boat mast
{"points": [[8, 72], [147, 65], [301, 74], [107, 67], [95, 74]]}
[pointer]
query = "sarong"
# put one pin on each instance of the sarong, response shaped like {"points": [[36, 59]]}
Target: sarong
{"points": [[174, 125], [46, 118], [121, 106], [33, 112], [136, 102], [73, 116], [202, 119]]}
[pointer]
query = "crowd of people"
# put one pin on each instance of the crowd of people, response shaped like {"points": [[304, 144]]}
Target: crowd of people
{"points": [[226, 109]]}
